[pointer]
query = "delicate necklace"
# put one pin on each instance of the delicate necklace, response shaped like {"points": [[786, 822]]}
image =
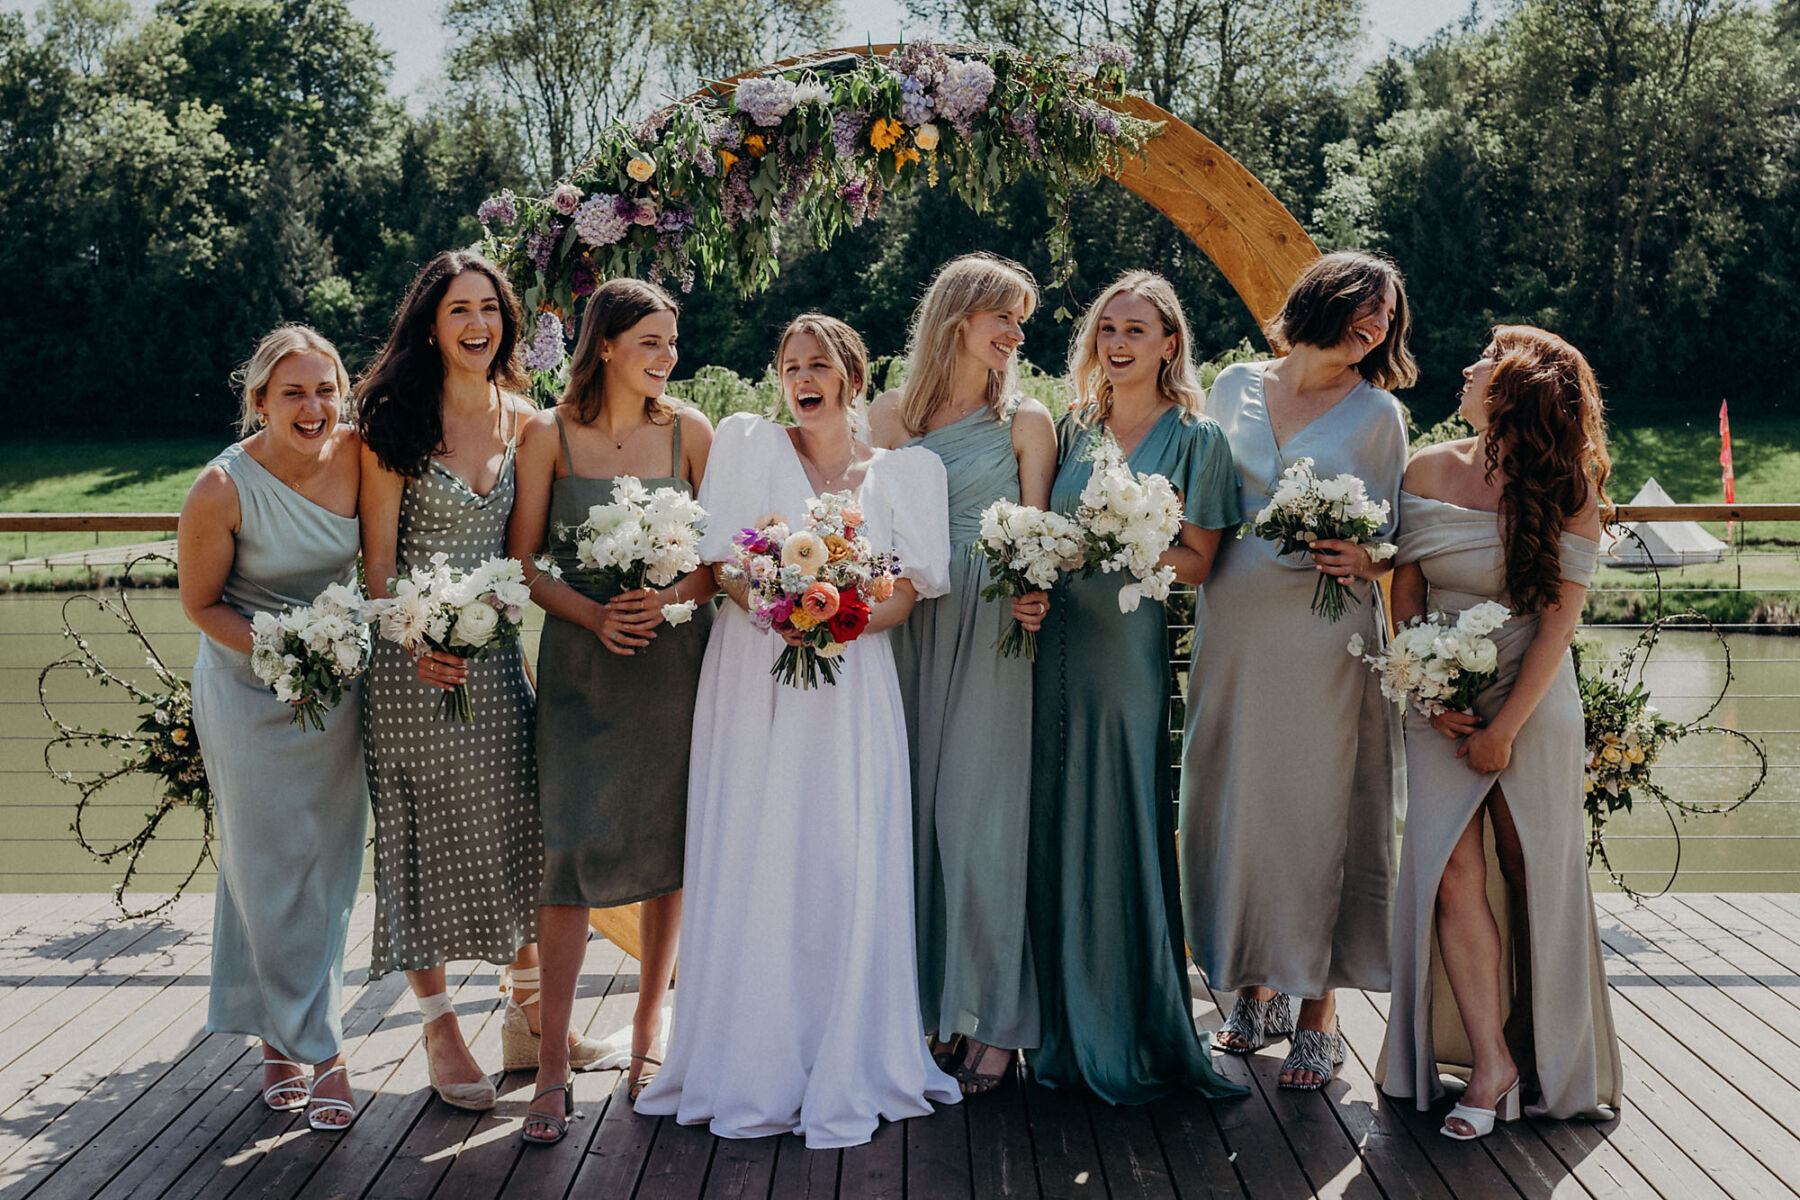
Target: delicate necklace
{"points": [[1135, 429]]}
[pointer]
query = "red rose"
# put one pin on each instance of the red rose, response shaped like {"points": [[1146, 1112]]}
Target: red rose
{"points": [[852, 616]]}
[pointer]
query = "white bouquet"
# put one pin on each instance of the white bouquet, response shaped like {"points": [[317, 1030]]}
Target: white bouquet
{"points": [[466, 613], [1306, 509], [309, 654], [654, 535], [1026, 549], [1130, 520], [1440, 666]]}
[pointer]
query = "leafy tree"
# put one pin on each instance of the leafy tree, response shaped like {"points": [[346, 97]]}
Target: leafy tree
{"points": [[707, 40]]}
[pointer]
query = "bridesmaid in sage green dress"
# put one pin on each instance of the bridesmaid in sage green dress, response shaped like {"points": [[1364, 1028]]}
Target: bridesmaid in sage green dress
{"points": [[268, 525], [1104, 901], [616, 682], [971, 806]]}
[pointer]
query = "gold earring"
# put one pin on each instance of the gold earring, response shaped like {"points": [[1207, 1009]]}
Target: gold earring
{"points": [[431, 338], [262, 419]]}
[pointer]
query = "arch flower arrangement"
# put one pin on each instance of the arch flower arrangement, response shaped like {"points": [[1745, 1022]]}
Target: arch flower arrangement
{"points": [[698, 190]]}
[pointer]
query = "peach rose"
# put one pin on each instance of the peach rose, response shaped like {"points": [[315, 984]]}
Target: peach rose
{"points": [[881, 589], [820, 600], [837, 547]]}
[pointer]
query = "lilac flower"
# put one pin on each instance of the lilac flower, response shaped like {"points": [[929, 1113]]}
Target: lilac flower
{"points": [[541, 248], [599, 222], [1105, 54], [845, 126], [674, 220], [964, 93], [799, 174], [724, 134], [765, 101], [582, 280], [915, 103], [546, 350], [738, 202], [1024, 124], [566, 198], [499, 210], [647, 131], [1104, 120], [855, 196]]}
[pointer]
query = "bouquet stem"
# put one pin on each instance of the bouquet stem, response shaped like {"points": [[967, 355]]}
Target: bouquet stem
{"points": [[455, 705], [801, 667], [1332, 599], [1017, 642]]}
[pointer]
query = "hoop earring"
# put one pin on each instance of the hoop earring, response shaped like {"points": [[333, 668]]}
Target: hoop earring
{"points": [[431, 339], [262, 419]]}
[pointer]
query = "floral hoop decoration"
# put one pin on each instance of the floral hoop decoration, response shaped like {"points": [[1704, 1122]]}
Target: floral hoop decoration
{"points": [[163, 746], [698, 190]]}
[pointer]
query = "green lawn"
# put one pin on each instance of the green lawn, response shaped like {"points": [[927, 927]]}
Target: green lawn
{"points": [[95, 476]]}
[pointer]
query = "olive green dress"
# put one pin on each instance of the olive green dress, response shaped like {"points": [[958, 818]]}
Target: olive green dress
{"points": [[1104, 904], [612, 731], [971, 805]]}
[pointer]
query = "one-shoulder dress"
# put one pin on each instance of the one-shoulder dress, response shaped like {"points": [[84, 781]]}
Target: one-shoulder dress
{"points": [[613, 732], [797, 1005], [1292, 774], [1105, 907], [291, 802], [459, 850], [971, 801], [1567, 1050]]}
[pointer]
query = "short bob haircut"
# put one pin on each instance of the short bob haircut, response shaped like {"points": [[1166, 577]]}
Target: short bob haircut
{"points": [[280, 343], [616, 306], [1330, 294]]}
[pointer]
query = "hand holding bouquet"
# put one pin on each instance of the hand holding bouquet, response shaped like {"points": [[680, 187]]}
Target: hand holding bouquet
{"points": [[1441, 667], [1026, 549], [1306, 509], [812, 585], [654, 536], [309, 654], [1130, 520], [466, 613]]}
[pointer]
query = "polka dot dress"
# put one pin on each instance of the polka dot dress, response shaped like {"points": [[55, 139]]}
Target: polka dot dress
{"points": [[458, 847]]}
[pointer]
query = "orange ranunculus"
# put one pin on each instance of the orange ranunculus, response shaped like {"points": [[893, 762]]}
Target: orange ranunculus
{"points": [[820, 601], [885, 132], [881, 588], [837, 548], [726, 159], [755, 144]]}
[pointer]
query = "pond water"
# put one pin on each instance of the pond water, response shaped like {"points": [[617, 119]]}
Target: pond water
{"points": [[1755, 848]]}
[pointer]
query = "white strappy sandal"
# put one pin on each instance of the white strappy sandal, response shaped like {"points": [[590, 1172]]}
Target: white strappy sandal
{"points": [[1481, 1120], [518, 1045], [296, 1083], [317, 1104]]}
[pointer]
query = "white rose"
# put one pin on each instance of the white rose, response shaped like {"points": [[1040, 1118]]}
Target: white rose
{"points": [[1356, 645], [678, 614], [833, 649], [475, 624], [1478, 657]]}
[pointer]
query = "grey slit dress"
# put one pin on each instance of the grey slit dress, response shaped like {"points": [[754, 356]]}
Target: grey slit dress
{"points": [[459, 850], [291, 802], [613, 732], [1292, 773], [971, 800], [1560, 1027]]}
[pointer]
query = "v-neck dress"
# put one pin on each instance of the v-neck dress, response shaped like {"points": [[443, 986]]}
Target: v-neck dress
{"points": [[459, 850], [291, 802], [613, 732], [971, 806], [1105, 913], [1292, 774], [797, 1006], [1558, 1014]]}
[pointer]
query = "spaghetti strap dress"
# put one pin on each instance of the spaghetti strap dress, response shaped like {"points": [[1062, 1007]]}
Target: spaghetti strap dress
{"points": [[971, 806], [1558, 1013], [613, 732], [291, 802], [459, 850]]}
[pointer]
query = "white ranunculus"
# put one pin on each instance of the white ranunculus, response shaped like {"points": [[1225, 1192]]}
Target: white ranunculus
{"points": [[475, 624], [1478, 656]]}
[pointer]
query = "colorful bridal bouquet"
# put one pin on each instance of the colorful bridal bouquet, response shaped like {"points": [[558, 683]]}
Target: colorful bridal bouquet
{"points": [[466, 613], [817, 581], [310, 653], [1129, 520], [1440, 666], [654, 536], [1625, 733], [1026, 550], [1306, 509]]}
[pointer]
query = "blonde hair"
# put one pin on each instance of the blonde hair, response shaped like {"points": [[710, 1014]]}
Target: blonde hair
{"points": [[844, 349], [278, 344], [964, 286], [1176, 379]]}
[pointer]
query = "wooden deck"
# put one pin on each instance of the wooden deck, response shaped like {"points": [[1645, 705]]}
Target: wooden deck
{"points": [[110, 1088]]}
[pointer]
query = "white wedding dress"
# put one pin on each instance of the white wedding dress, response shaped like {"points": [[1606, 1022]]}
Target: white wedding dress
{"points": [[797, 1003]]}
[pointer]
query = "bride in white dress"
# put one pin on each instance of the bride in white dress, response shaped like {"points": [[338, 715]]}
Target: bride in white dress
{"points": [[797, 1008]]}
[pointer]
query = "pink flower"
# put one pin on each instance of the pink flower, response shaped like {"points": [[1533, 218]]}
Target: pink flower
{"points": [[820, 601], [566, 198], [646, 213]]}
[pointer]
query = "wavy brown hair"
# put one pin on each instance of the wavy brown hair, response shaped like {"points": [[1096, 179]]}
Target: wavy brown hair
{"points": [[615, 307], [1325, 301], [1546, 432]]}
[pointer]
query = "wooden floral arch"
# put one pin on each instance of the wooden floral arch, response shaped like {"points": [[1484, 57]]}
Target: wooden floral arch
{"points": [[1237, 222]]}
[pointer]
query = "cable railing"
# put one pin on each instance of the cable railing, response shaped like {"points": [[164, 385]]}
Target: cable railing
{"points": [[1755, 848]]}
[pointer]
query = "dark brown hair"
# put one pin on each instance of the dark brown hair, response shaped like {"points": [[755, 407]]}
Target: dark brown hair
{"points": [[1327, 298], [397, 401], [614, 308], [1547, 433]]}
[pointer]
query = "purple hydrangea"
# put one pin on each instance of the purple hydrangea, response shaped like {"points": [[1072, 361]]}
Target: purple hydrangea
{"points": [[499, 210], [845, 126], [600, 223], [964, 92], [546, 350], [765, 101], [915, 103], [582, 280]]}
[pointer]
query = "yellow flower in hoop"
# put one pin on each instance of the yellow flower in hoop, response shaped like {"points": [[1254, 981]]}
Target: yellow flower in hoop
{"points": [[904, 155], [640, 168], [885, 132], [926, 136], [837, 547], [805, 551], [726, 159], [756, 145]]}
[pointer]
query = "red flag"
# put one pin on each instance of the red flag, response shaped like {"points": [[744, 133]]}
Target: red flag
{"points": [[1726, 474]]}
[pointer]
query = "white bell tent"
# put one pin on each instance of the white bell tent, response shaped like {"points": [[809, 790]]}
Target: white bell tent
{"points": [[1664, 543]]}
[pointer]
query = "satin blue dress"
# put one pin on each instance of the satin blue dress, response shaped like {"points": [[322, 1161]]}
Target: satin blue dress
{"points": [[291, 803]]}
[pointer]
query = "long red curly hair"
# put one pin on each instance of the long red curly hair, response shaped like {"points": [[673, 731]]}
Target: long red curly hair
{"points": [[1546, 431]]}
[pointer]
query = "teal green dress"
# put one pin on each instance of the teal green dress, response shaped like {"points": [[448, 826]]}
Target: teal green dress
{"points": [[1104, 900], [612, 731], [971, 805], [292, 803]]}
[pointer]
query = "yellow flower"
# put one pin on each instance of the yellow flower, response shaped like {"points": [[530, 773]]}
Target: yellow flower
{"points": [[755, 144], [178, 736], [926, 136], [726, 159], [805, 551], [837, 547], [904, 155], [802, 620], [1633, 754], [640, 168], [1611, 754], [885, 132]]}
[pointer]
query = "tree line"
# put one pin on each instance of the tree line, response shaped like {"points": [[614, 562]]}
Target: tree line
{"points": [[1626, 172]]}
